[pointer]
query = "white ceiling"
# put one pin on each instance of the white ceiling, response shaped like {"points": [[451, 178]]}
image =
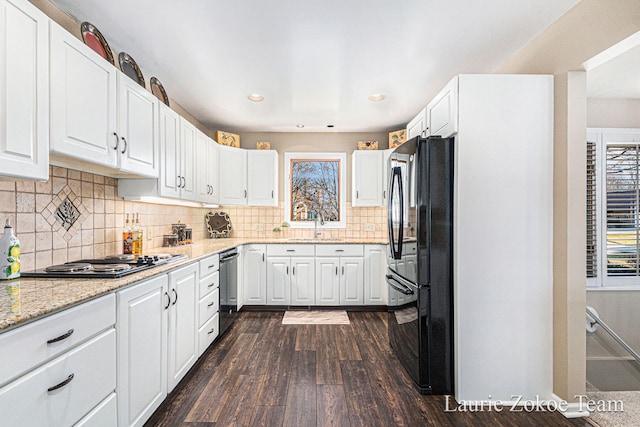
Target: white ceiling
{"points": [[618, 77], [315, 61]]}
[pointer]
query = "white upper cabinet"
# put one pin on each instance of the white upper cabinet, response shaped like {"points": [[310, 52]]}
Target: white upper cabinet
{"points": [[98, 114], [207, 153], [24, 94], [187, 175], [368, 176], [262, 177], [442, 111], [233, 176], [138, 128], [83, 101], [418, 125], [169, 182]]}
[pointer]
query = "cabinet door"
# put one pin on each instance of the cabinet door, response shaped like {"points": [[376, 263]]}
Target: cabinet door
{"points": [[328, 281], [183, 328], [418, 125], [375, 266], [351, 281], [202, 159], [303, 278], [255, 275], [278, 280], [233, 176], [80, 128], [137, 128], [262, 178], [213, 166], [385, 176], [170, 153], [442, 111], [367, 178], [24, 73], [187, 172], [142, 350]]}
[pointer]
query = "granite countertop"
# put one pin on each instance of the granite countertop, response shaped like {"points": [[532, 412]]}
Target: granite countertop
{"points": [[27, 299]]}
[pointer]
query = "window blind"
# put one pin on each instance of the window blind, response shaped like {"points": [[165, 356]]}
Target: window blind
{"points": [[623, 242], [592, 226]]}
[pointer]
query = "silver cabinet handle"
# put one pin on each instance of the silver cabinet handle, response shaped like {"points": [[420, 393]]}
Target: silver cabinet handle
{"points": [[125, 145], [245, 194], [384, 194], [336, 270], [61, 337], [178, 181], [168, 300], [184, 181], [287, 269], [272, 194], [343, 270], [293, 270], [357, 194], [263, 257], [62, 384], [175, 300], [210, 304], [117, 141]]}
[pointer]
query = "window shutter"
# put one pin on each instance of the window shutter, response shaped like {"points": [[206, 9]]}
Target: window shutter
{"points": [[592, 240], [623, 165]]}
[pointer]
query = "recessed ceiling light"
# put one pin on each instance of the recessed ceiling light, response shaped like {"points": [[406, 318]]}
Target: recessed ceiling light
{"points": [[300, 126], [377, 97], [256, 97]]}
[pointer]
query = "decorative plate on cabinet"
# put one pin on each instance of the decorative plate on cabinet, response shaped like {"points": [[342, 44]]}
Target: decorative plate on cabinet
{"points": [[96, 41], [218, 224], [130, 68], [158, 90]]}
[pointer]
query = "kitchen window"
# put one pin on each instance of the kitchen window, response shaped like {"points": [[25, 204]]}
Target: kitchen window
{"points": [[613, 208], [315, 189]]}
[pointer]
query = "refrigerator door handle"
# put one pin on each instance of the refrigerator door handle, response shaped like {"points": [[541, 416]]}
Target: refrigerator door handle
{"points": [[396, 173], [398, 286]]}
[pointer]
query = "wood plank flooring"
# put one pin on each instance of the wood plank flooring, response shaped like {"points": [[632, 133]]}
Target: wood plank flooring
{"points": [[263, 373]]}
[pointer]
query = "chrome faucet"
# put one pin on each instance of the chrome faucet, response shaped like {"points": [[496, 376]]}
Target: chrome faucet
{"points": [[317, 233]]}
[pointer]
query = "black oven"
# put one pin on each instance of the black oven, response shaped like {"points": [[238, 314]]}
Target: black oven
{"points": [[228, 288]]}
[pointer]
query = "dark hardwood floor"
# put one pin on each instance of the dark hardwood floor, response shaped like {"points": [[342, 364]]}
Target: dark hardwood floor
{"points": [[263, 373]]}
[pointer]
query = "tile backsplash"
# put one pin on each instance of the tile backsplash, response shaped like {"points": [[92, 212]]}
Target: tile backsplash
{"points": [[99, 219]]}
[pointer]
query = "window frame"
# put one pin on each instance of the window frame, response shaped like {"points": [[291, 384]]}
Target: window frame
{"points": [[342, 187], [603, 137]]}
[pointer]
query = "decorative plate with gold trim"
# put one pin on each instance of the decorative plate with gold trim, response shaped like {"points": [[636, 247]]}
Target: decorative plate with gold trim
{"points": [[218, 224]]}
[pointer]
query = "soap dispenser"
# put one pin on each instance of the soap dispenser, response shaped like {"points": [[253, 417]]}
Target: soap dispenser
{"points": [[9, 254]]}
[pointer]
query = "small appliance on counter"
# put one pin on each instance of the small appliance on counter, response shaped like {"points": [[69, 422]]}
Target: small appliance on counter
{"points": [[110, 267]]}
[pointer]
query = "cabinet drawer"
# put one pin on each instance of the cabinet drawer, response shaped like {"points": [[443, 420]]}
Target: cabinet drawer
{"points": [[291, 250], [208, 306], [33, 401], [63, 331], [340, 250], [409, 248], [208, 333], [103, 415], [209, 283], [209, 265]]}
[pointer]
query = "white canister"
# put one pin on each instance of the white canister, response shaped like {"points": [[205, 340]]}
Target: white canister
{"points": [[9, 254]]}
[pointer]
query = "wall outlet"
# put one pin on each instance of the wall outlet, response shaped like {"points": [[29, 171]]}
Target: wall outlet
{"points": [[149, 234], [259, 227], [369, 227]]}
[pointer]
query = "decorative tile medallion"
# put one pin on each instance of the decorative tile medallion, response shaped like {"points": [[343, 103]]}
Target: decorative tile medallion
{"points": [[65, 213]]}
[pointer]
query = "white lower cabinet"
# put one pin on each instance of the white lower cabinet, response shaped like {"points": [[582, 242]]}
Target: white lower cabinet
{"points": [[142, 350], [183, 333], [302, 281], [375, 268], [278, 284], [351, 281], [209, 302], [64, 390], [255, 274], [328, 281]]}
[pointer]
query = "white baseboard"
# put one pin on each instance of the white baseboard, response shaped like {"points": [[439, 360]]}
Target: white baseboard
{"points": [[573, 410]]}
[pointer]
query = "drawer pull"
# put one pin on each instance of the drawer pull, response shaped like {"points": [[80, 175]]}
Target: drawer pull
{"points": [[62, 384], [291, 250], [339, 250], [211, 285], [175, 300], [210, 304], [212, 266], [61, 337], [211, 331]]}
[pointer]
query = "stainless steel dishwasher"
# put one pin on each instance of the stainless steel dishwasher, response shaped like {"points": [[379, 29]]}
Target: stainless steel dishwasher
{"points": [[228, 288]]}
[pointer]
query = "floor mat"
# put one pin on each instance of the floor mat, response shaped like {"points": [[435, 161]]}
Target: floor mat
{"points": [[316, 317], [626, 413]]}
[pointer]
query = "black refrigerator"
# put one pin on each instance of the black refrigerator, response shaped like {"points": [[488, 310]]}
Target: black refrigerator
{"points": [[420, 265]]}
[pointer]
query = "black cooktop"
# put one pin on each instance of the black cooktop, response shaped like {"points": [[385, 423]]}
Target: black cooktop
{"points": [[110, 267]]}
